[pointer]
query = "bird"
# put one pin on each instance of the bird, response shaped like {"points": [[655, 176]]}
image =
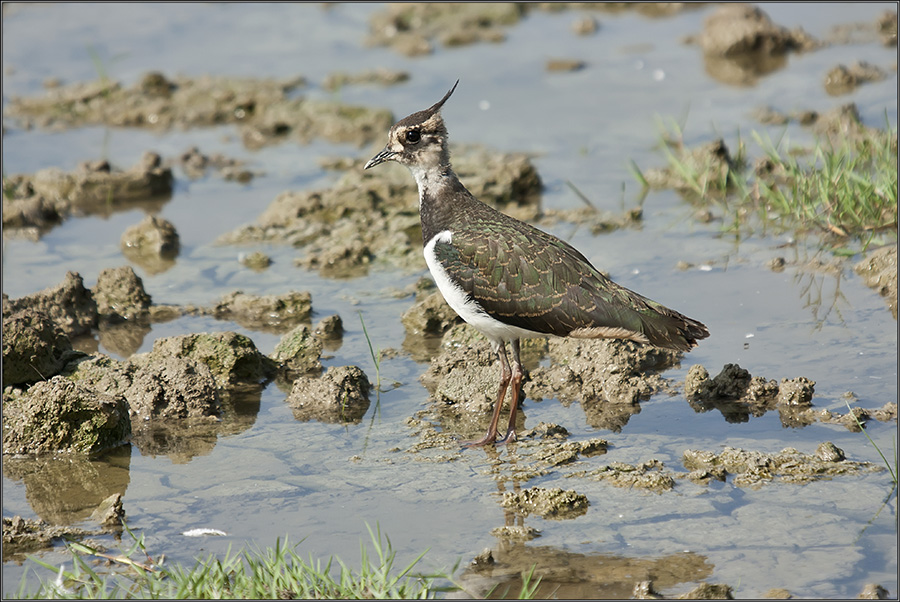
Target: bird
{"points": [[509, 279]]}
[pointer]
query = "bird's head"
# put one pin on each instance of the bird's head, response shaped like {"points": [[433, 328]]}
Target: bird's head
{"points": [[419, 140]]}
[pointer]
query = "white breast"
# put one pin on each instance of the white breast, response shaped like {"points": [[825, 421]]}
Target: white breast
{"points": [[463, 304]]}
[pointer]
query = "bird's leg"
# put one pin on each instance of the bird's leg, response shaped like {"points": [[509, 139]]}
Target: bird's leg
{"points": [[505, 375], [516, 384]]}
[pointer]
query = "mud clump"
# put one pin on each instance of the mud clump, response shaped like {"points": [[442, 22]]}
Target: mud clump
{"points": [[157, 388], [879, 271], [34, 347], [299, 351], [738, 395], [70, 305], [430, 316], [153, 244], [120, 295], [110, 512], [38, 202], [646, 475], [752, 468], [60, 416], [843, 80], [609, 377], [740, 43], [556, 504], [553, 453], [232, 358], [339, 395], [24, 535], [195, 165], [256, 261], [463, 384], [277, 313], [709, 591]]}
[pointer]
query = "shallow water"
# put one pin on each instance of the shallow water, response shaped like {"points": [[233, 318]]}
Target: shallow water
{"points": [[324, 482]]}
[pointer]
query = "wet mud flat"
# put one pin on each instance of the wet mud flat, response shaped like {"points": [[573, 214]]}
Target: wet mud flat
{"points": [[61, 396]]}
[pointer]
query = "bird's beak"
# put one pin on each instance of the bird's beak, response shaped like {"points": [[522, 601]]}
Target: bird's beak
{"points": [[385, 155]]}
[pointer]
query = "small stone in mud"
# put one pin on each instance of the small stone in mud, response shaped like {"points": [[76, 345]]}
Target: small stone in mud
{"points": [[153, 244], [516, 532], [553, 503], [709, 591], [110, 512], [879, 271], [34, 347], [585, 26], [256, 261], [643, 590], [544, 430], [60, 416], [299, 351], [564, 65], [483, 560], [873, 591], [776, 264], [796, 391], [329, 328], [829, 452], [339, 395], [120, 293], [70, 305]]}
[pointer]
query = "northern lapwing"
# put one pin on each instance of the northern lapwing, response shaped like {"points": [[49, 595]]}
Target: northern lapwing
{"points": [[510, 280]]}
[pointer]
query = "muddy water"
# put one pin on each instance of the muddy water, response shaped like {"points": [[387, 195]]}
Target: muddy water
{"points": [[277, 476]]}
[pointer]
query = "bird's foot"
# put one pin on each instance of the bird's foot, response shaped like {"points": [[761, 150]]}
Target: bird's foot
{"points": [[509, 437], [489, 439]]}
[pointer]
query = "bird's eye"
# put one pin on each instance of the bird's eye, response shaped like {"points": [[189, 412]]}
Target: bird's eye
{"points": [[413, 136]]}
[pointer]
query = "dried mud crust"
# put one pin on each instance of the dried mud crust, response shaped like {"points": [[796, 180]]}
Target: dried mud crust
{"points": [[264, 109]]}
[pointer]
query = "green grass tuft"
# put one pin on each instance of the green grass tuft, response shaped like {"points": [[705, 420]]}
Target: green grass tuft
{"points": [[274, 573]]}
